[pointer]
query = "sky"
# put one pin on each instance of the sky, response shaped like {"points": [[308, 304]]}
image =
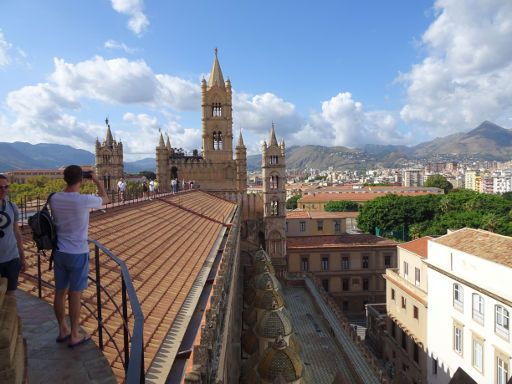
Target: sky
{"points": [[331, 72]]}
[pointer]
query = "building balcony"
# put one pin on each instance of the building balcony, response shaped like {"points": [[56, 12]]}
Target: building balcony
{"points": [[409, 288]]}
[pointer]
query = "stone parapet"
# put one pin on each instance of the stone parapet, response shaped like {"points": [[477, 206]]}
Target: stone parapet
{"points": [[12, 354]]}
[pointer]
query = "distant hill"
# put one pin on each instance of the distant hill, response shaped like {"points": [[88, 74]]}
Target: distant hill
{"points": [[488, 141], [19, 155]]}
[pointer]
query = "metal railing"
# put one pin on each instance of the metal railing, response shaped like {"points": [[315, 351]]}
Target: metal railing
{"points": [[133, 358]]}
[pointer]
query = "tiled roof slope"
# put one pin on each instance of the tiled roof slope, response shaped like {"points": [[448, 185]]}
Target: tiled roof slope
{"points": [[487, 245], [164, 244], [361, 196], [320, 215], [419, 246], [337, 241]]}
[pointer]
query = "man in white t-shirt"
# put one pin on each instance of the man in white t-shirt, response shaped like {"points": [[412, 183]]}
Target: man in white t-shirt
{"points": [[70, 210], [151, 188], [121, 188]]}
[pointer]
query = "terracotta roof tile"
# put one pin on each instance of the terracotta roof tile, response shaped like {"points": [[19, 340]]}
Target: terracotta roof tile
{"points": [[487, 245], [351, 196], [419, 246], [164, 247], [320, 215], [346, 240]]}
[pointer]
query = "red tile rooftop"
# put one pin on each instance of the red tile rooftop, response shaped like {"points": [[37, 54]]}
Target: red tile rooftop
{"points": [[347, 240], [477, 242], [164, 243], [320, 215], [358, 195], [419, 246]]}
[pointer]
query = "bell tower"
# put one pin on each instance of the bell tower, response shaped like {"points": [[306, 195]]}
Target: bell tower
{"points": [[109, 165], [217, 116], [274, 200]]}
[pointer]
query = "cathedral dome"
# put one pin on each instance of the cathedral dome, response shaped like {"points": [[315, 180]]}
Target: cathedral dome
{"points": [[274, 323], [280, 360], [261, 255], [263, 266], [268, 300], [266, 281]]}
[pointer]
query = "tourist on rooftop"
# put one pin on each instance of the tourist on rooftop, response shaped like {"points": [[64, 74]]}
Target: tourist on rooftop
{"points": [[121, 188], [12, 257], [71, 213]]}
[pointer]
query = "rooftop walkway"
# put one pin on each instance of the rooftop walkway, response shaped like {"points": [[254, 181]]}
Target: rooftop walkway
{"points": [[51, 362]]}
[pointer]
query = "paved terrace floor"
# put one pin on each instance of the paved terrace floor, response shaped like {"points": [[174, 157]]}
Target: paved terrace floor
{"points": [[50, 362]]}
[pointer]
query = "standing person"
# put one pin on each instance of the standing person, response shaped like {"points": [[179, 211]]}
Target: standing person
{"points": [[157, 185], [121, 189], [183, 184], [12, 256], [70, 210], [151, 188], [173, 186], [144, 189]]}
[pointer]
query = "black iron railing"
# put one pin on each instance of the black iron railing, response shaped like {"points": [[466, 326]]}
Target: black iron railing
{"points": [[133, 356]]}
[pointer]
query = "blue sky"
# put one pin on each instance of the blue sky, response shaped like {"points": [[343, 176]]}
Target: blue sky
{"points": [[329, 72]]}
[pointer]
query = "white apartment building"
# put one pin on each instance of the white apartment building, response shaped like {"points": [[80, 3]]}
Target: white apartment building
{"points": [[469, 306], [502, 181], [412, 177], [470, 180]]}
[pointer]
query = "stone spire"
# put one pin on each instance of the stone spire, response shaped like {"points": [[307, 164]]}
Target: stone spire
{"points": [[161, 142], [108, 139], [240, 140], [168, 144], [273, 140], [216, 74]]}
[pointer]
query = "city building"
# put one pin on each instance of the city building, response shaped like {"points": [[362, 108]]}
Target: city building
{"points": [[470, 178], [319, 223], [470, 302], [502, 181], [412, 177], [350, 267], [405, 343]]}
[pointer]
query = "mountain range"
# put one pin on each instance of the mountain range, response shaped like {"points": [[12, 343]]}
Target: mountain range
{"points": [[488, 141]]}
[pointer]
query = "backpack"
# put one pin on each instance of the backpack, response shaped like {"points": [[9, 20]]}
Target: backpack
{"points": [[44, 233]]}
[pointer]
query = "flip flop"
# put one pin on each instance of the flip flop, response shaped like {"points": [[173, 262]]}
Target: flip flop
{"points": [[63, 339], [84, 339]]}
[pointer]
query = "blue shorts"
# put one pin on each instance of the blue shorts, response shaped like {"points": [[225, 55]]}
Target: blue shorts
{"points": [[11, 270], [71, 270]]}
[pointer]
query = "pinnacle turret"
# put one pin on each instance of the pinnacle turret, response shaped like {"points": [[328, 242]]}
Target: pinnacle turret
{"points": [[273, 140], [216, 77]]}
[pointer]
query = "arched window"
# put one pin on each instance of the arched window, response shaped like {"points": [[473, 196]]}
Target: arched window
{"points": [[216, 110], [502, 324], [274, 182], [478, 308], [274, 208], [273, 160], [217, 140], [458, 297], [214, 140]]}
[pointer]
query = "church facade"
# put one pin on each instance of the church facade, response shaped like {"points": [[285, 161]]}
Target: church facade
{"points": [[214, 169], [109, 160]]}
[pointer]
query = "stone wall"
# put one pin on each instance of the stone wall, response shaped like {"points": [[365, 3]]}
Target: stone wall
{"points": [[12, 353], [216, 354]]}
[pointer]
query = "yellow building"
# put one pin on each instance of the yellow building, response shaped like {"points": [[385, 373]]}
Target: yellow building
{"points": [[350, 267], [405, 345], [319, 223]]}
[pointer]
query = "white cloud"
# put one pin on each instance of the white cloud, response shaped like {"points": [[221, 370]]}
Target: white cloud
{"points": [[465, 78], [112, 44], [138, 21], [343, 121], [43, 112], [257, 112], [142, 142], [4, 47]]}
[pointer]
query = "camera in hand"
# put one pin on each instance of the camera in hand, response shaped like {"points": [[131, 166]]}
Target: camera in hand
{"points": [[86, 175]]}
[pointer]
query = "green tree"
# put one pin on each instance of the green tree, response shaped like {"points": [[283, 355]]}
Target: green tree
{"points": [[341, 206], [148, 174], [291, 203], [438, 181], [507, 196]]}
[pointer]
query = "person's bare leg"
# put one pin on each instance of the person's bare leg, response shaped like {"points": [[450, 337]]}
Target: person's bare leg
{"points": [[59, 307], [74, 316]]}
